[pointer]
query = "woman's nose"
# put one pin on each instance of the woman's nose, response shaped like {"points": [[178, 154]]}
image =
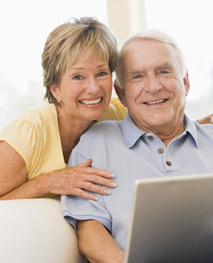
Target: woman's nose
{"points": [[92, 85]]}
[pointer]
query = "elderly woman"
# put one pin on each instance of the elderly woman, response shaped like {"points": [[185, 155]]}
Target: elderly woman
{"points": [[78, 60]]}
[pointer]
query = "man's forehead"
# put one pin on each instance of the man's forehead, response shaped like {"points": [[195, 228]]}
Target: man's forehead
{"points": [[144, 52], [138, 41], [163, 65], [143, 44]]}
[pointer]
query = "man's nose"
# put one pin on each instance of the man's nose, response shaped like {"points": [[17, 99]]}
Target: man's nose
{"points": [[152, 84]]}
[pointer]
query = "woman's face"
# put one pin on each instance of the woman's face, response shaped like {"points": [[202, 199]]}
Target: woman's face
{"points": [[85, 89]]}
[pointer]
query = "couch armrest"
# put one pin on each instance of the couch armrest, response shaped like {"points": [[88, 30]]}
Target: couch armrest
{"points": [[33, 230]]}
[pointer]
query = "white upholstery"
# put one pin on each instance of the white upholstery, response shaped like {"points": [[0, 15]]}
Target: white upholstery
{"points": [[34, 231]]}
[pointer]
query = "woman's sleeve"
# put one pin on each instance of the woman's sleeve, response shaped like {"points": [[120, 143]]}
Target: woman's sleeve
{"points": [[23, 136]]}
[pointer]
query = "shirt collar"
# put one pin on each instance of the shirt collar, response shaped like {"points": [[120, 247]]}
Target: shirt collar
{"points": [[190, 127], [131, 133]]}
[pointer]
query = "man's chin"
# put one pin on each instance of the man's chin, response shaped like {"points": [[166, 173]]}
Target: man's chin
{"points": [[158, 123]]}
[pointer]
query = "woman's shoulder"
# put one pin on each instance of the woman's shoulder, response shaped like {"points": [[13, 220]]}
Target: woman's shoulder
{"points": [[40, 117], [33, 120], [38, 113], [115, 111]]}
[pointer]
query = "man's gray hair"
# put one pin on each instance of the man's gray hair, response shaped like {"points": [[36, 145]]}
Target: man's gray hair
{"points": [[155, 35]]}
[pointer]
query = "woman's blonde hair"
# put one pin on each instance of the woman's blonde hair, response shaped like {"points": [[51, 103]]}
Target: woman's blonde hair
{"points": [[66, 42]]}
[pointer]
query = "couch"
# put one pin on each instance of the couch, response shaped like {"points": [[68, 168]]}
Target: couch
{"points": [[34, 231]]}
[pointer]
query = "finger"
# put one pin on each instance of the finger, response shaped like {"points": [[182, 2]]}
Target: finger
{"points": [[97, 171], [84, 194], [87, 163], [96, 180], [95, 188]]}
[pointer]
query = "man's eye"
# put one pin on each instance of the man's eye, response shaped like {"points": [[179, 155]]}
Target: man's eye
{"points": [[164, 72], [137, 76], [77, 77]]}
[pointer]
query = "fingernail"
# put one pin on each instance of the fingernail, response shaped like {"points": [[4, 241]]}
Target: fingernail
{"points": [[107, 192], [113, 184], [112, 175], [95, 198]]}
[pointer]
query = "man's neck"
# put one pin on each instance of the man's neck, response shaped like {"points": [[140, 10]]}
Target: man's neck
{"points": [[168, 136]]}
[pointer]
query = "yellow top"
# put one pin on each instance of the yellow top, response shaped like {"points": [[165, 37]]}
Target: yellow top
{"points": [[116, 111], [35, 136]]}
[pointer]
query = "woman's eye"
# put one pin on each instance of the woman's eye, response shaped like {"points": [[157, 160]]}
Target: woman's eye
{"points": [[77, 77], [102, 73]]}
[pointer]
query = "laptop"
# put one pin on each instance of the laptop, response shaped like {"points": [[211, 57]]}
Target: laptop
{"points": [[172, 220]]}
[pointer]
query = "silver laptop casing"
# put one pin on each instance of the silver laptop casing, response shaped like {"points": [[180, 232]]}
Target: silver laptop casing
{"points": [[172, 220]]}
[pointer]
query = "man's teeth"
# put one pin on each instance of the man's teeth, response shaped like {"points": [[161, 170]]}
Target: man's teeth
{"points": [[90, 102], [155, 102]]}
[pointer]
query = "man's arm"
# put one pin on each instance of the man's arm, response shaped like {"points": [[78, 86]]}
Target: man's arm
{"points": [[96, 243]]}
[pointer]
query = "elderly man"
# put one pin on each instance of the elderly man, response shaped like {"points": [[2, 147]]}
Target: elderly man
{"points": [[156, 139]]}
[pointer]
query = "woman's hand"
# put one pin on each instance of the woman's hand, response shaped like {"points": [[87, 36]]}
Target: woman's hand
{"points": [[75, 180], [68, 181], [207, 119]]}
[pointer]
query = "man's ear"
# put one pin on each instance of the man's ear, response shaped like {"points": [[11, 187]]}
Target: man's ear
{"points": [[186, 83], [120, 93]]}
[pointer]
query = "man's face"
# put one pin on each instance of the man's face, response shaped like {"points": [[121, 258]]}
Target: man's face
{"points": [[154, 90]]}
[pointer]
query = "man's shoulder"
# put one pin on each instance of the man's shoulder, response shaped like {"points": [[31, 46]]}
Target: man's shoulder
{"points": [[204, 135], [103, 128], [205, 128], [102, 135]]}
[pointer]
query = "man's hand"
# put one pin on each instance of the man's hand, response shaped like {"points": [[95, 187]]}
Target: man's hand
{"points": [[207, 119]]}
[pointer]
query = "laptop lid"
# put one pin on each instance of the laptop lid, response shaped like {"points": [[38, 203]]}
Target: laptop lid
{"points": [[172, 220]]}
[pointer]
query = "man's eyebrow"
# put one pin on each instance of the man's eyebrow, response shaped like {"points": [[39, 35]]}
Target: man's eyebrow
{"points": [[165, 65], [135, 71]]}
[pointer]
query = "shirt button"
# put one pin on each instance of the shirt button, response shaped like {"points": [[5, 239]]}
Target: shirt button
{"points": [[160, 150], [150, 138], [168, 163]]}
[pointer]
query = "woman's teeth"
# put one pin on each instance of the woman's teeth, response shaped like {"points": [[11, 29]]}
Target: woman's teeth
{"points": [[90, 102]]}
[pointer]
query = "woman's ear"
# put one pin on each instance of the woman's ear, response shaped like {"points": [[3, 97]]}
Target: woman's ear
{"points": [[120, 93], [55, 92]]}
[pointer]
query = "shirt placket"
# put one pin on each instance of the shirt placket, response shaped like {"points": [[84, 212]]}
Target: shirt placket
{"points": [[165, 155]]}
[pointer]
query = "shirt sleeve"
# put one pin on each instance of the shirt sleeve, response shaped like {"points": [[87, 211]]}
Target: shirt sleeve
{"points": [[76, 208], [115, 111], [25, 139]]}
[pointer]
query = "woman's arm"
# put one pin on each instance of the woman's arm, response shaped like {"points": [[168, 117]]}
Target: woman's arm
{"points": [[96, 243], [207, 119], [68, 181]]}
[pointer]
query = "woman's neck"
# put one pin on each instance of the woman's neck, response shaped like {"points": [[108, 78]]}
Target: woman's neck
{"points": [[70, 130]]}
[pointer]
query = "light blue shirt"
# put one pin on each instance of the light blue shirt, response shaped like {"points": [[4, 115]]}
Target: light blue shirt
{"points": [[130, 154]]}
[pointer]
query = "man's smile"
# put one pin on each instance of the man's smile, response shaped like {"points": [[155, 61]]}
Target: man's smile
{"points": [[155, 102]]}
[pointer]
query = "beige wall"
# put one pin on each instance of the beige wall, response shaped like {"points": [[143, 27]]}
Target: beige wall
{"points": [[125, 17]]}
